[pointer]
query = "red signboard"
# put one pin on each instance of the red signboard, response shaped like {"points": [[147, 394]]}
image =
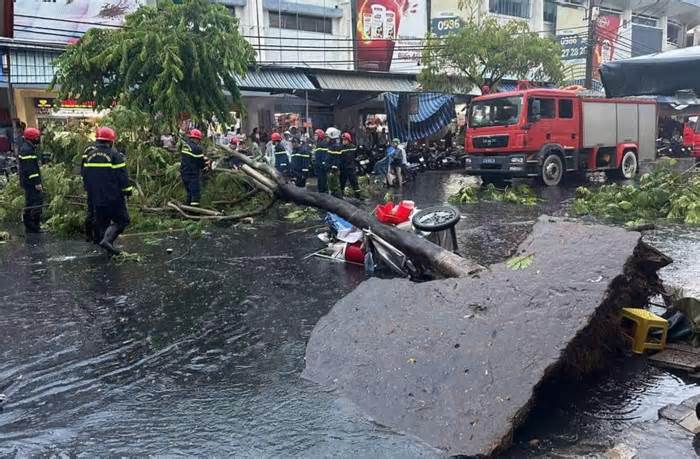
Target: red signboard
{"points": [[607, 27]]}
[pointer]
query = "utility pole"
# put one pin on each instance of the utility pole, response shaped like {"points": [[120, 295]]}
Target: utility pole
{"points": [[592, 41]]}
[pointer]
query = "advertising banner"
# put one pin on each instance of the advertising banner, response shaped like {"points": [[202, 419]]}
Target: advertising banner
{"points": [[67, 20], [606, 42], [390, 34]]}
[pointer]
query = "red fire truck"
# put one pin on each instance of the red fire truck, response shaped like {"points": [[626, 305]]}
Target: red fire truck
{"points": [[549, 133]]}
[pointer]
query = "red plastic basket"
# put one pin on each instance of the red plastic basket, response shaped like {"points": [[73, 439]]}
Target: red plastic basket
{"points": [[388, 213]]}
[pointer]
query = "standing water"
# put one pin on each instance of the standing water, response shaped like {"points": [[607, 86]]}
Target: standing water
{"points": [[199, 351]]}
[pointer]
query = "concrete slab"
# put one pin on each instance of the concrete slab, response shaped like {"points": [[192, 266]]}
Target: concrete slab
{"points": [[456, 362]]}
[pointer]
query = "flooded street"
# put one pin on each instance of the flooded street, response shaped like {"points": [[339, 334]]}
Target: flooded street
{"points": [[199, 351]]}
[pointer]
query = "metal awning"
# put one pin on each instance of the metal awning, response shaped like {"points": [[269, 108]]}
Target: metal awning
{"points": [[275, 79], [365, 82]]}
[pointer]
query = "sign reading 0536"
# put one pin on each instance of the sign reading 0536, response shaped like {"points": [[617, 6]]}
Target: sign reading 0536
{"points": [[444, 25]]}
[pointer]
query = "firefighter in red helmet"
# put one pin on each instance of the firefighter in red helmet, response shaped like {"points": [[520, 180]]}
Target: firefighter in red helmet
{"points": [[192, 161], [320, 158], [30, 179], [107, 183], [348, 173]]}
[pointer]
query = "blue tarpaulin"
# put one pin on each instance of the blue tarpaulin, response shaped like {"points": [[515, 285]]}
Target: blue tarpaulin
{"points": [[427, 114]]}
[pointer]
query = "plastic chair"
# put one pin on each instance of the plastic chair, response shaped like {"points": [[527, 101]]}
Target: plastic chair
{"points": [[638, 325]]}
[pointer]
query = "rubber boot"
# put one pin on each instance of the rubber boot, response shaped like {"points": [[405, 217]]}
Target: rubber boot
{"points": [[108, 241]]}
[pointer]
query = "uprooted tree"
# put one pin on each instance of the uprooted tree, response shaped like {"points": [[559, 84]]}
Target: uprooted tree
{"points": [[166, 61], [483, 51]]}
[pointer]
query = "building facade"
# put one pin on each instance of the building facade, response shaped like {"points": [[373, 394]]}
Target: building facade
{"points": [[299, 41]]}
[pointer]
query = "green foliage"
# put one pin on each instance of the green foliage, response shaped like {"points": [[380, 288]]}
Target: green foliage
{"points": [[167, 60], [302, 214], [520, 262], [65, 147], [519, 194], [660, 194], [63, 213], [155, 173], [483, 51]]}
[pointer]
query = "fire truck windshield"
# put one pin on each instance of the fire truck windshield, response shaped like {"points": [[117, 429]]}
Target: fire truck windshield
{"points": [[496, 112]]}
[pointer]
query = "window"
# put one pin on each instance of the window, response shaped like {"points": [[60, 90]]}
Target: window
{"points": [[644, 20], [545, 108], [292, 21], [550, 11], [496, 112], [673, 32], [566, 108], [517, 8]]}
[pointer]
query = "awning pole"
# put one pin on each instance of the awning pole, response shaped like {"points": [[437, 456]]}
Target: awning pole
{"points": [[308, 126], [13, 106]]}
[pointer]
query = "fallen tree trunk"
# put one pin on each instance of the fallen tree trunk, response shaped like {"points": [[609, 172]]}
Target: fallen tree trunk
{"points": [[419, 249]]}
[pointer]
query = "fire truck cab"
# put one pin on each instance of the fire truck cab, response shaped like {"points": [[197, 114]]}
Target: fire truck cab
{"points": [[548, 133]]}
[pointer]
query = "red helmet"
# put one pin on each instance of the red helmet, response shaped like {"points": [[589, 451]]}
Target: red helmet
{"points": [[195, 134], [105, 133], [32, 134], [276, 137], [320, 134], [347, 136]]}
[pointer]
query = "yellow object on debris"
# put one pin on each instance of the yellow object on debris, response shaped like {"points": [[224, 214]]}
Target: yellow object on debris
{"points": [[642, 327]]}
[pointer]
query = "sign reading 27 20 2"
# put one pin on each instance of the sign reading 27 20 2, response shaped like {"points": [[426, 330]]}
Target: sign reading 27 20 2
{"points": [[572, 47]]}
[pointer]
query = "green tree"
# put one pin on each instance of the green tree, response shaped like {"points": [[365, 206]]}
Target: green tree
{"points": [[483, 52], [167, 61]]}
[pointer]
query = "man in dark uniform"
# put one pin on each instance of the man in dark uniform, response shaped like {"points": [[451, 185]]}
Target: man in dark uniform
{"points": [[301, 160], [335, 153], [92, 232], [30, 179], [347, 166], [281, 155], [192, 161], [107, 184], [320, 154]]}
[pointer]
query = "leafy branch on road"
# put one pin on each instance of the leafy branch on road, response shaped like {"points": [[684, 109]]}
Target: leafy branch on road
{"points": [[518, 194], [663, 194]]}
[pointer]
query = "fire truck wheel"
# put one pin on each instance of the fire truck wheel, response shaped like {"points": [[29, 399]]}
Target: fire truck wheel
{"points": [[552, 170], [628, 166]]}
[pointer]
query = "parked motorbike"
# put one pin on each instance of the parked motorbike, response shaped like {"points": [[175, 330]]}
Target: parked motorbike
{"points": [[673, 148], [365, 159], [415, 154]]}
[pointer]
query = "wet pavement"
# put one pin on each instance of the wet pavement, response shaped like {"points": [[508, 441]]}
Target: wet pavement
{"points": [[199, 351]]}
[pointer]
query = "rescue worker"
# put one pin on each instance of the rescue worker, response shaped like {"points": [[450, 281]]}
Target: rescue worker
{"points": [[92, 232], [347, 165], [30, 179], [320, 156], [335, 153], [192, 161], [107, 184], [281, 155], [301, 161]]}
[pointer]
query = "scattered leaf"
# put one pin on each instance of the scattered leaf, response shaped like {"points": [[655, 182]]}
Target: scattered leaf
{"points": [[520, 262]]}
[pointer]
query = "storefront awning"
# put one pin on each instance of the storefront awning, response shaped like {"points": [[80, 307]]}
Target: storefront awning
{"points": [[275, 79], [365, 82]]}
